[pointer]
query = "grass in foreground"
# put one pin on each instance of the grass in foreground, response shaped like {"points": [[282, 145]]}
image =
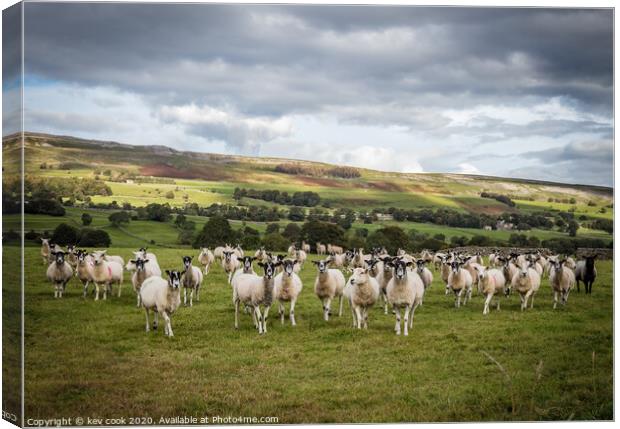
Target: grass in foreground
{"points": [[94, 358]]}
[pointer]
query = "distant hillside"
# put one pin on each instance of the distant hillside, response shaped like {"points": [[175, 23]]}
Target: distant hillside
{"points": [[217, 174]]}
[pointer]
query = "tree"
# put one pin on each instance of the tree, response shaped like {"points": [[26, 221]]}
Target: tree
{"points": [[86, 219], [94, 238], [65, 234], [390, 237], [186, 236], [314, 231], [180, 220], [158, 212], [572, 228], [215, 232], [272, 227], [296, 214], [119, 218], [250, 238], [292, 232], [479, 240], [275, 242]]}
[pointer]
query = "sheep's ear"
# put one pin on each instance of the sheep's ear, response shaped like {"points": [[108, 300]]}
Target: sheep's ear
{"points": [[409, 263], [183, 272], [132, 261], [53, 252], [167, 272], [146, 260], [316, 262], [260, 264]]}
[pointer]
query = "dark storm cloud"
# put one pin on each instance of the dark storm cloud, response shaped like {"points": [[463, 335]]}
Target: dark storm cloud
{"points": [[367, 65]]}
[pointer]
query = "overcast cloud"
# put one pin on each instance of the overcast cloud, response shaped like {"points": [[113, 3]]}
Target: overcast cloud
{"points": [[507, 92]]}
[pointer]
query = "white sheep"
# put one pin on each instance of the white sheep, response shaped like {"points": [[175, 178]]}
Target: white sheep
{"points": [[287, 287], [300, 256], [405, 290], [261, 255], [192, 279], [328, 285], [230, 263], [336, 260], [383, 278], [84, 270], [163, 297], [218, 252], [335, 249], [71, 256], [105, 273], [140, 274], [239, 251], [151, 265], [320, 249], [291, 250], [562, 280], [305, 247], [254, 291], [526, 281], [362, 291], [59, 273], [491, 281], [206, 258], [46, 250], [459, 281]]}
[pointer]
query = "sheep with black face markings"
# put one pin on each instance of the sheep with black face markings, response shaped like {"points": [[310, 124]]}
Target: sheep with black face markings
{"points": [[84, 269], [192, 280], [459, 281], [59, 273], [405, 290], [329, 284], [362, 291], [254, 291], [106, 272], [230, 263], [526, 281], [287, 287], [562, 280], [491, 281], [206, 258], [163, 297]]}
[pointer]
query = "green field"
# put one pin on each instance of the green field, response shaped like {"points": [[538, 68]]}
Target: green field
{"points": [[94, 359]]}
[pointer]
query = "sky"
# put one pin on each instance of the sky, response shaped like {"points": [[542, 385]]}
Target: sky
{"points": [[511, 92]]}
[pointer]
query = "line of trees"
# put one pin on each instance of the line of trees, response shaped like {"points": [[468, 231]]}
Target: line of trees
{"points": [[305, 199]]}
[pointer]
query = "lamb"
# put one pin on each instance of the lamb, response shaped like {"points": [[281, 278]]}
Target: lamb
{"points": [[139, 276], [404, 290], [46, 249], [305, 247], [459, 280], [287, 287], [328, 285], [362, 291], [192, 279], [230, 263], [320, 249], [59, 273], [562, 280], [527, 282], [206, 258], [163, 297], [105, 273], [291, 250], [84, 269], [490, 282], [254, 291], [586, 272]]}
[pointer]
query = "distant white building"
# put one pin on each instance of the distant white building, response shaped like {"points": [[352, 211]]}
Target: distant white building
{"points": [[382, 216]]}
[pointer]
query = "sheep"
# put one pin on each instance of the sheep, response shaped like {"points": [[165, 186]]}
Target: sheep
{"points": [[192, 279], [206, 258], [508, 269], [239, 251], [105, 273], [261, 255], [471, 266], [291, 250], [45, 250], [143, 254], [459, 280], [427, 256], [139, 276], [254, 291], [493, 261], [362, 291], [404, 290], [383, 278], [490, 282], [305, 247], [425, 274], [59, 273], [336, 260], [151, 266], [163, 297], [84, 269], [527, 282], [287, 287], [438, 259], [71, 256], [570, 263], [320, 249], [335, 249], [113, 258], [301, 256], [328, 285], [358, 259], [230, 263], [562, 280], [218, 252], [445, 272], [586, 272]]}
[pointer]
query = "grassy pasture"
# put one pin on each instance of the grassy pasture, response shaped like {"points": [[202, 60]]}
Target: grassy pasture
{"points": [[94, 358]]}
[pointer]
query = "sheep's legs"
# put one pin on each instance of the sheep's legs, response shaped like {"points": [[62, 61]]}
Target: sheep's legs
{"points": [[291, 312], [457, 299], [532, 301], [358, 317], [264, 319], [565, 297], [340, 306], [385, 303], [148, 327], [120, 285], [259, 318], [281, 312], [85, 289], [406, 324], [168, 329], [138, 300], [191, 298], [326, 305], [97, 291], [185, 296], [155, 319], [413, 307], [397, 326], [487, 302], [353, 315], [526, 299], [236, 314]]}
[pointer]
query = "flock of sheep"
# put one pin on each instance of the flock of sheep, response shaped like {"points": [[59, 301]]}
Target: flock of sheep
{"points": [[400, 280]]}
